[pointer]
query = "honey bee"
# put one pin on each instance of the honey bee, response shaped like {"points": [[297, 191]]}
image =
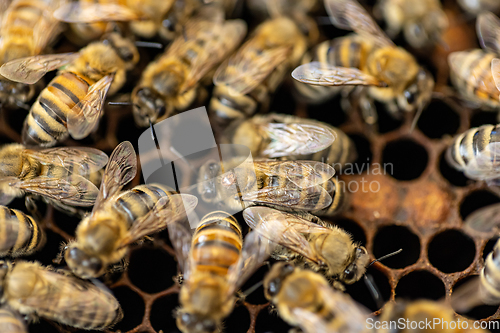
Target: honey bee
{"points": [[477, 6], [368, 58], [172, 82], [306, 299], [61, 176], [293, 138], [21, 234], [324, 248], [287, 185], [27, 27], [119, 219], [244, 83], [472, 72], [423, 311], [33, 290], [215, 262], [73, 101], [422, 23], [475, 153]]}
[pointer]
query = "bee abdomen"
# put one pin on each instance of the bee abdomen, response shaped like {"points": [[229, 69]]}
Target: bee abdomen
{"points": [[217, 243], [140, 200], [19, 233], [490, 277], [11, 322], [46, 122]]}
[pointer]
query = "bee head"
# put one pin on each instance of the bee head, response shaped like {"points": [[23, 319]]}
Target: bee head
{"points": [[357, 267], [418, 92], [82, 264], [275, 277], [124, 48], [194, 323], [147, 105]]}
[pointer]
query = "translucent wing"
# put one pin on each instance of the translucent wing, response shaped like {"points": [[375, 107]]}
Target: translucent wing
{"points": [[310, 321], [255, 250], [486, 163], [121, 168], [31, 69], [180, 235], [318, 73], [311, 198], [84, 12], [488, 31], [484, 220], [66, 297], [72, 190], [6, 198], [495, 71], [225, 38], [296, 138], [82, 161], [475, 76], [85, 115], [47, 28], [284, 229], [167, 210], [350, 15], [249, 67], [303, 174]]}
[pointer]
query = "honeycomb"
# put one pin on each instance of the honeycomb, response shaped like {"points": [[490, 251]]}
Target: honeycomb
{"points": [[419, 205]]}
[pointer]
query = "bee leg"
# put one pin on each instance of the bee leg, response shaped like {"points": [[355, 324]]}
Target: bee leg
{"points": [[31, 206], [368, 110], [393, 109], [338, 285], [345, 102], [66, 209]]}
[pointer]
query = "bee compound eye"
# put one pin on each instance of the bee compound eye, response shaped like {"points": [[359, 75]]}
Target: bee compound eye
{"points": [[209, 325], [350, 272], [274, 287]]}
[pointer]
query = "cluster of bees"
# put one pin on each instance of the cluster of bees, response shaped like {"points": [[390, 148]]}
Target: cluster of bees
{"points": [[294, 179]]}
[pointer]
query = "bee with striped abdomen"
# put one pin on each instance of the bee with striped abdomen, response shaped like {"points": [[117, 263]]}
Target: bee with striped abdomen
{"points": [[73, 102], [369, 60], [119, 219], [11, 321], [244, 83], [287, 185], [323, 248], [33, 290], [422, 23], [20, 234], [306, 299], [171, 83], [475, 153], [292, 138], [61, 176], [472, 72], [215, 262], [26, 28]]}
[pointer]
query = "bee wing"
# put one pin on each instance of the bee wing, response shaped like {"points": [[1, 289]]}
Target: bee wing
{"points": [[247, 68], [255, 250], [495, 71], [167, 210], [68, 295], [31, 69], [121, 168], [47, 28], [486, 219], [296, 138], [486, 163], [85, 115], [350, 15], [284, 229], [318, 73], [488, 31], [82, 161], [311, 322], [73, 190], [180, 234], [6, 198], [84, 12], [224, 39], [303, 174]]}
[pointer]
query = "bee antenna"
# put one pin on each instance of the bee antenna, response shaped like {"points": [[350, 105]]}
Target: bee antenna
{"points": [[323, 20], [385, 257], [417, 116], [151, 45], [251, 289], [23, 105], [120, 103]]}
